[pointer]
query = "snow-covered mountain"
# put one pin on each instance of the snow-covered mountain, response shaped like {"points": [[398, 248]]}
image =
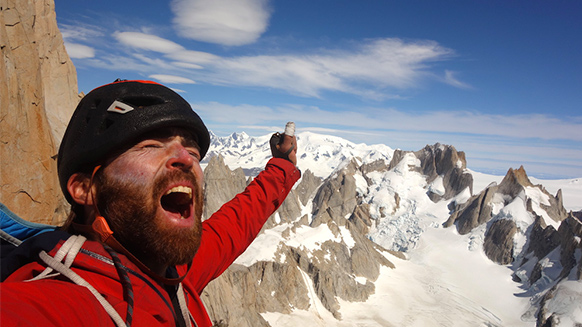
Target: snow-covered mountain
{"points": [[506, 254], [321, 154]]}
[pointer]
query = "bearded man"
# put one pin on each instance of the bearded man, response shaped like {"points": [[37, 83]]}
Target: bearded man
{"points": [[134, 249]]}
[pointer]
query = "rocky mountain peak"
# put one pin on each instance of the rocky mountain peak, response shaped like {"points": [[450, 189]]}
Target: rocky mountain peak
{"points": [[444, 168], [514, 182]]}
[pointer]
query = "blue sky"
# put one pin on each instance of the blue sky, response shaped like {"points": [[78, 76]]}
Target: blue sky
{"points": [[500, 80]]}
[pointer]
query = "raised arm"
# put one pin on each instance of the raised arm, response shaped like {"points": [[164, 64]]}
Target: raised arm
{"points": [[235, 225]]}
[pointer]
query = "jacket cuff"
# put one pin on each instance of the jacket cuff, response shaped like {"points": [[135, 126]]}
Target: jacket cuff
{"points": [[292, 173]]}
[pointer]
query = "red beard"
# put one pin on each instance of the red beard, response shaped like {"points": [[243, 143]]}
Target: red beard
{"points": [[131, 213]]}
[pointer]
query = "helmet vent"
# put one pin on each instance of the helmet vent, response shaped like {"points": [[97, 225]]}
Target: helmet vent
{"points": [[92, 111], [143, 101], [105, 125]]}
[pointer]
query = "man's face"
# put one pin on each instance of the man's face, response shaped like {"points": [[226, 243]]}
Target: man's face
{"points": [[152, 196]]}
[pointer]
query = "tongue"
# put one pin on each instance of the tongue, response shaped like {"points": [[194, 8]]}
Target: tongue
{"points": [[176, 202]]}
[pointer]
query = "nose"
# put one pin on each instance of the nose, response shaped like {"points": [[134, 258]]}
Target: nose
{"points": [[180, 158]]}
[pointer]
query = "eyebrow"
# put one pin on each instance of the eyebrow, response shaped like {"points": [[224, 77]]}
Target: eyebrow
{"points": [[187, 138]]}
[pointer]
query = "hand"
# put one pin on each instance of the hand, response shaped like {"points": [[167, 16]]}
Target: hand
{"points": [[284, 146]]}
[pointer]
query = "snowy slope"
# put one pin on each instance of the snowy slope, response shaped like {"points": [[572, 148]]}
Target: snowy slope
{"points": [[446, 279]]}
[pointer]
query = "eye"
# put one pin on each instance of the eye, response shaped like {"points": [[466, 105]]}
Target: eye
{"points": [[150, 144], [194, 153]]}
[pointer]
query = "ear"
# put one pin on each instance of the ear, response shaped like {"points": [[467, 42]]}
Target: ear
{"points": [[79, 187]]}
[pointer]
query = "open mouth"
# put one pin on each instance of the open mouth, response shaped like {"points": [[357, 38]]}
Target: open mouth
{"points": [[178, 200]]}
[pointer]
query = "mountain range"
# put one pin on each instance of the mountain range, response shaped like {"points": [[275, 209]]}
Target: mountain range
{"points": [[372, 236]]}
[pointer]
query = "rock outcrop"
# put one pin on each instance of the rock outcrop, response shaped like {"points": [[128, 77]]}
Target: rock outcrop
{"points": [[474, 212], [444, 168], [221, 184], [499, 242], [336, 198], [37, 97]]}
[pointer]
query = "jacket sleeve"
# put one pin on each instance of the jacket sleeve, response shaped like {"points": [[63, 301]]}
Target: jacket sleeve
{"points": [[229, 231]]}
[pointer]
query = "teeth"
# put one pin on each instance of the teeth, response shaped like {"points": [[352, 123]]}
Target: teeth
{"points": [[180, 189]]}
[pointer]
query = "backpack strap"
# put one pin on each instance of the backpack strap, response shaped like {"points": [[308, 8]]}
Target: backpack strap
{"points": [[188, 318], [19, 253], [68, 252]]}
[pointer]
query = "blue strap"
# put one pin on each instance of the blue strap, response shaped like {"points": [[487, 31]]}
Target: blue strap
{"points": [[18, 227]]}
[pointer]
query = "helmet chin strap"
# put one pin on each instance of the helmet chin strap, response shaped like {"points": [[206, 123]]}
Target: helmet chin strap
{"points": [[101, 229]]}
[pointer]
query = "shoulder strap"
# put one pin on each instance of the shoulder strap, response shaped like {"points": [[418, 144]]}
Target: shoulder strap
{"points": [[15, 256], [68, 252]]}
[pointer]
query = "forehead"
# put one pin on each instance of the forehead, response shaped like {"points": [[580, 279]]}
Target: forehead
{"points": [[188, 138]]}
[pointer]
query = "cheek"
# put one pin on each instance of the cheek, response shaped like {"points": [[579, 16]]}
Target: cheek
{"points": [[129, 173]]}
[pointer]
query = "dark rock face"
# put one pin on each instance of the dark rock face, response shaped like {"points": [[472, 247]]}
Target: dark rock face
{"points": [[241, 293], [476, 211], [570, 234], [498, 244], [543, 239]]}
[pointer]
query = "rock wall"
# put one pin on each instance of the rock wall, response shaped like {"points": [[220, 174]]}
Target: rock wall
{"points": [[37, 96]]}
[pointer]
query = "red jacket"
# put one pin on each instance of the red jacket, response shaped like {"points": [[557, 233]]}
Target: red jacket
{"points": [[57, 301]]}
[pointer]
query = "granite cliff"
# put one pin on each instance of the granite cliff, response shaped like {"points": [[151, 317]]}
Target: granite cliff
{"points": [[37, 98]]}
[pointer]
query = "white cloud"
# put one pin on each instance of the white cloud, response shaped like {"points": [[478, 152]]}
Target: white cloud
{"points": [[79, 51], [147, 42], [227, 22], [372, 69], [187, 65], [191, 56], [171, 79], [366, 70]]}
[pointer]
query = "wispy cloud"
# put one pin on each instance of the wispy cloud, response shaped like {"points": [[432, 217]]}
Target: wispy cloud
{"points": [[226, 22], [375, 69], [368, 69], [451, 79]]}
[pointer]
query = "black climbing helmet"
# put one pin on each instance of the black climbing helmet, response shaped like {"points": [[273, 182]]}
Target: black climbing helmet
{"points": [[114, 116]]}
